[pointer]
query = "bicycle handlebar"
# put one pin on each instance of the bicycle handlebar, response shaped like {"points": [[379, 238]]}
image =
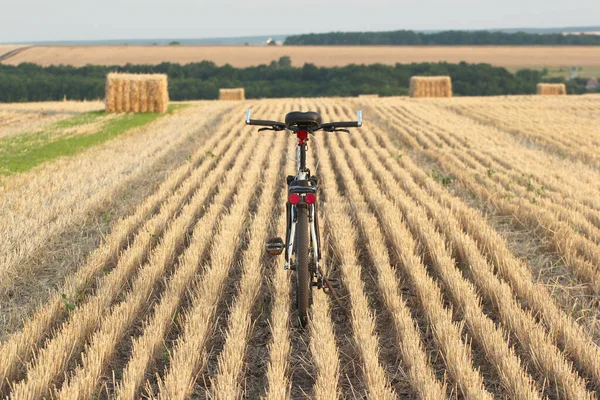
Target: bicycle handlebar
{"points": [[328, 127]]}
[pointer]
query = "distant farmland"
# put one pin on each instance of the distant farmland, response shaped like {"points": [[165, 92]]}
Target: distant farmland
{"points": [[326, 56]]}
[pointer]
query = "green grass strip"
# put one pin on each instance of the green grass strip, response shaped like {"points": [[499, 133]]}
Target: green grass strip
{"points": [[21, 153]]}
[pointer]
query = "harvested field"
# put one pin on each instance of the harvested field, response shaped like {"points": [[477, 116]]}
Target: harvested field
{"points": [[16, 119], [464, 232], [326, 56]]}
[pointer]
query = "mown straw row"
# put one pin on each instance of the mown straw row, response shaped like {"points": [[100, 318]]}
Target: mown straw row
{"points": [[456, 354], [547, 358], [323, 346], [503, 167], [52, 359], [137, 93], [189, 354], [420, 374], [580, 253], [563, 329], [279, 384], [49, 219], [548, 133], [145, 347], [505, 154], [19, 346], [99, 353], [227, 383], [344, 239]]}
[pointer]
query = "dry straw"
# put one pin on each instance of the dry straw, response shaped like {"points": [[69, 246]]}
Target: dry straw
{"points": [[430, 86], [137, 93], [551, 89], [232, 94]]}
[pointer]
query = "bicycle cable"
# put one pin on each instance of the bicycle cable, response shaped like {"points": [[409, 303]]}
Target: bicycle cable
{"points": [[318, 147]]}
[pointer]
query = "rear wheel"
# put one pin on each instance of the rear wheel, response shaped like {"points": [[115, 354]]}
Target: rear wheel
{"points": [[303, 274]]}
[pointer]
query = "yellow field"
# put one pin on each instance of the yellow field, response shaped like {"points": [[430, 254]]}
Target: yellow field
{"points": [[28, 117], [327, 56], [464, 233]]}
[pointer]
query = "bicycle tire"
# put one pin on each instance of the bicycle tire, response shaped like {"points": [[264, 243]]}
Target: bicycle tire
{"points": [[303, 275]]}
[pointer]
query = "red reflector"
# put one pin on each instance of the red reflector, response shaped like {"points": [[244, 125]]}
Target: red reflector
{"points": [[310, 198], [302, 135], [294, 198]]}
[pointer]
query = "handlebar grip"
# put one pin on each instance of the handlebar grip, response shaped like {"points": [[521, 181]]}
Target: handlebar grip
{"points": [[345, 124], [262, 122]]}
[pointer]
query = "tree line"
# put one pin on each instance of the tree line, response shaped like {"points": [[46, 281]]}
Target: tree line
{"points": [[201, 81], [446, 38]]}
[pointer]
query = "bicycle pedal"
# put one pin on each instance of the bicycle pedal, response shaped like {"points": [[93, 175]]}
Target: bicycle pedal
{"points": [[274, 246]]}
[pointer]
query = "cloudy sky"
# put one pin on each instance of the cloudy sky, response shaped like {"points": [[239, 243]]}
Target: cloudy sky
{"points": [[37, 20]]}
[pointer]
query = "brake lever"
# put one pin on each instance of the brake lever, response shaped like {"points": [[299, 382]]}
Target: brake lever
{"points": [[266, 129], [342, 130]]}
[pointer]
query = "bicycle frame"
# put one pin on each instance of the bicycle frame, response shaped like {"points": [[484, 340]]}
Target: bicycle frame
{"points": [[303, 174]]}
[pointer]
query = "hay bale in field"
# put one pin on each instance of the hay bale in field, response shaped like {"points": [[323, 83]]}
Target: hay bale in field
{"points": [[126, 95], [551, 89], [137, 93], [430, 86], [232, 94], [143, 90]]}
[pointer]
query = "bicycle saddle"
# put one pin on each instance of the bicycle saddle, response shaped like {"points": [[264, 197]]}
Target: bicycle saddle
{"points": [[310, 118]]}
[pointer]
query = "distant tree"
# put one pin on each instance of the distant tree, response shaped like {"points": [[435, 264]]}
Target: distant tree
{"points": [[174, 43], [285, 61], [195, 81], [446, 38]]}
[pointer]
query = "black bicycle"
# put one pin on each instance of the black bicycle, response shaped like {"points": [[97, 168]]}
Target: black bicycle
{"points": [[302, 239]]}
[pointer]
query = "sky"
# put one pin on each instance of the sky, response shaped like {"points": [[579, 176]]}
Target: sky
{"points": [[44, 20]]}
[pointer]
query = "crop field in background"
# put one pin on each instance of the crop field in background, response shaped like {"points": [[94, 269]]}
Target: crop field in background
{"points": [[325, 56], [464, 234]]}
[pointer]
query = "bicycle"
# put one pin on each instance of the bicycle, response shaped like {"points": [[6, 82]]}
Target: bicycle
{"points": [[302, 239]]}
